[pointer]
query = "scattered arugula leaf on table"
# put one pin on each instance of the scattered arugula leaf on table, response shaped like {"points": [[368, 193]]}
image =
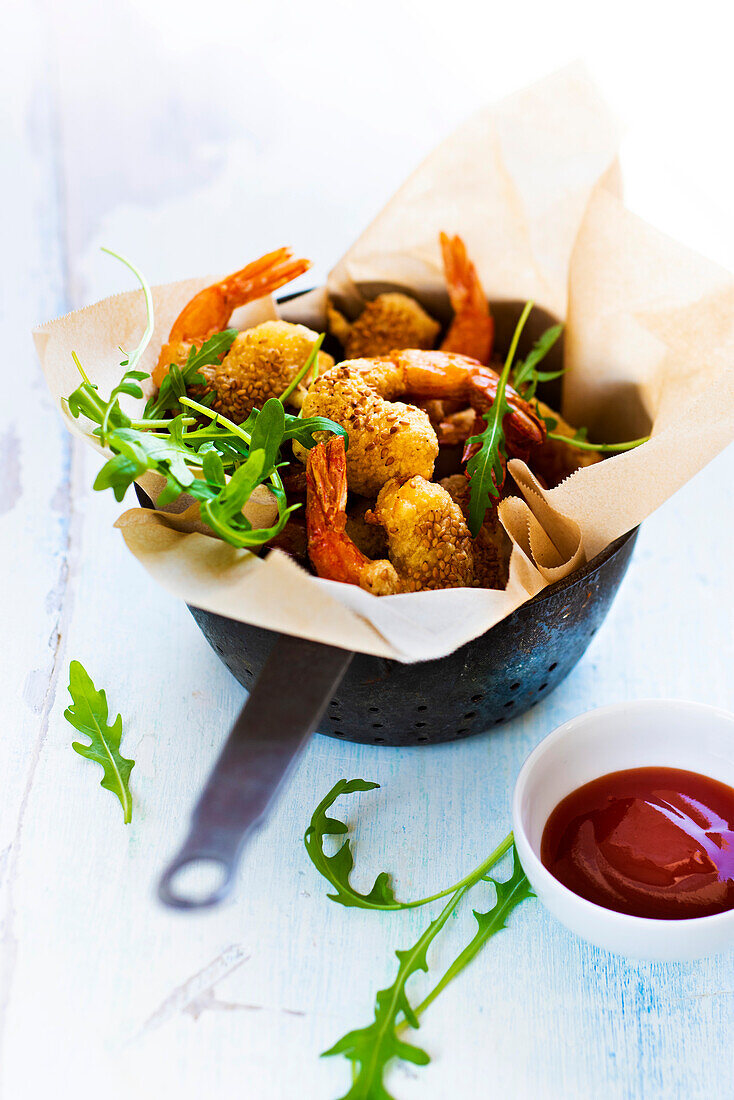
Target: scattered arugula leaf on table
{"points": [[509, 894], [337, 868], [370, 1049], [89, 715]]}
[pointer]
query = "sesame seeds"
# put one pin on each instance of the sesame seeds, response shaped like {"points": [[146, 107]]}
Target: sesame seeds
{"points": [[390, 321], [260, 364], [429, 542]]}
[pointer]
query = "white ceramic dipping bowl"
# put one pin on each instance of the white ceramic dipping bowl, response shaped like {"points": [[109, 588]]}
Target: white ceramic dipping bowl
{"points": [[650, 733]]}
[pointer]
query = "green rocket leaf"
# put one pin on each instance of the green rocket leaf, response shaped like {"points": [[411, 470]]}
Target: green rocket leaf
{"points": [[371, 1048], [88, 714], [486, 469]]}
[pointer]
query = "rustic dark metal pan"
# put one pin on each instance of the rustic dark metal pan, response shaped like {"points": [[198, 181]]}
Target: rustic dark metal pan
{"points": [[481, 685]]}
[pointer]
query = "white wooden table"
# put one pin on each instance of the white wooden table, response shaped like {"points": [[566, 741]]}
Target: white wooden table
{"points": [[193, 141]]}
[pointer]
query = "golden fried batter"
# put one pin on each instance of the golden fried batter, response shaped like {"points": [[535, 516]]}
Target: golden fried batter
{"points": [[428, 541], [388, 322], [492, 546], [387, 438], [260, 364]]}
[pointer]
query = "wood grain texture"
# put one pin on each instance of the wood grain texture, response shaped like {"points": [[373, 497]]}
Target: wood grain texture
{"points": [[102, 992]]}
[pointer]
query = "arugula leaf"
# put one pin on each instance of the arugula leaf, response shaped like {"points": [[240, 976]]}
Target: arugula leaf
{"points": [[304, 369], [137, 452], [86, 401], [525, 379], [129, 381], [136, 355], [267, 433], [550, 421], [88, 714], [221, 501], [196, 461], [509, 894], [223, 513], [213, 468], [174, 385], [371, 1048], [580, 441], [302, 429], [526, 376], [486, 468], [113, 413], [337, 868]]}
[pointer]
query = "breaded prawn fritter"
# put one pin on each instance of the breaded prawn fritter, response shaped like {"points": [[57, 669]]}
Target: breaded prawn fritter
{"points": [[388, 322], [387, 438], [492, 546], [261, 363], [428, 540]]}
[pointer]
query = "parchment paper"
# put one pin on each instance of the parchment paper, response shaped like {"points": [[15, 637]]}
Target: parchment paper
{"points": [[532, 185]]}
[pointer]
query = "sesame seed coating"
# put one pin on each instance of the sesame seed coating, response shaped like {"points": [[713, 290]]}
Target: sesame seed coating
{"points": [[387, 438], [389, 321], [260, 364], [492, 546], [428, 540]]}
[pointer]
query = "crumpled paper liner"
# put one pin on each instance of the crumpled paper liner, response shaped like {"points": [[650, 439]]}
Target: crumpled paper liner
{"points": [[649, 346]]}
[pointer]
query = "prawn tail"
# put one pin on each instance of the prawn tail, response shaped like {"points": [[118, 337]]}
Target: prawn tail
{"points": [[326, 481], [472, 330], [332, 552], [465, 289], [210, 310], [261, 277], [523, 426]]}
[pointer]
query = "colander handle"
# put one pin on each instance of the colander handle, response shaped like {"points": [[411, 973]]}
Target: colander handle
{"points": [[282, 711]]}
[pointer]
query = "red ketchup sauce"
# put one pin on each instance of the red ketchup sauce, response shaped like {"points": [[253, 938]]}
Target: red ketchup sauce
{"points": [[653, 842]]}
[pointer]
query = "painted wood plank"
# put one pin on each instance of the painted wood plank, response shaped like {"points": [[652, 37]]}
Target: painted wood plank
{"points": [[36, 470]]}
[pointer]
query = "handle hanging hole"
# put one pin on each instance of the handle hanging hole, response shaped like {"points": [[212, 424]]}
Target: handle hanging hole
{"points": [[195, 882]]}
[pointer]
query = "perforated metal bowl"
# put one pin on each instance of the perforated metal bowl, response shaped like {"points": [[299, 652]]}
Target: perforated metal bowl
{"points": [[483, 684]]}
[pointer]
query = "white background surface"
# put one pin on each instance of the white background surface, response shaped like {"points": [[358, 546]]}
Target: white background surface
{"points": [[194, 137]]}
